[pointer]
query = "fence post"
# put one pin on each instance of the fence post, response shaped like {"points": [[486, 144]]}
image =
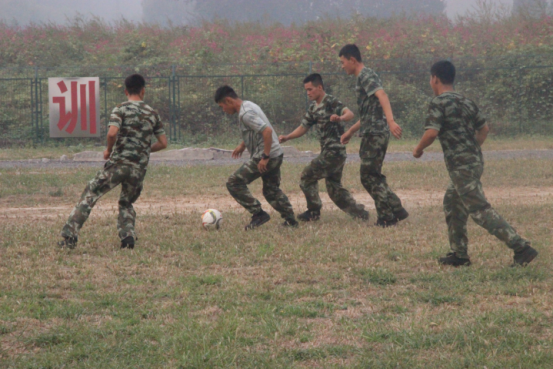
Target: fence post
{"points": [[106, 116], [520, 92], [306, 98], [242, 86], [172, 103], [35, 106]]}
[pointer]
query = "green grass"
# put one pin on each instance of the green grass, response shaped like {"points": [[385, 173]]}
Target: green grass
{"points": [[190, 298], [29, 187], [306, 143], [333, 294]]}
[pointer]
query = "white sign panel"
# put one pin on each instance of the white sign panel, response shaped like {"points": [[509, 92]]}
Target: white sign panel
{"points": [[74, 107]]}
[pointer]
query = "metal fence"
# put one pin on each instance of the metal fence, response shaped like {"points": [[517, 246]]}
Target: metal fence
{"points": [[514, 92]]}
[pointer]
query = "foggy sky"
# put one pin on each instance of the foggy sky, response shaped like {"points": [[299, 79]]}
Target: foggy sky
{"points": [[132, 9]]}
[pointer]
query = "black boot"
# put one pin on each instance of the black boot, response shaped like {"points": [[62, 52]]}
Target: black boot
{"points": [[309, 216], [258, 220], [127, 243], [291, 223], [453, 260], [69, 242], [524, 256], [401, 214]]}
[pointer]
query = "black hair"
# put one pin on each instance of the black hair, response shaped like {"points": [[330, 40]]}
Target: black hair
{"points": [[351, 51], [316, 79], [445, 71], [224, 92], [134, 84]]}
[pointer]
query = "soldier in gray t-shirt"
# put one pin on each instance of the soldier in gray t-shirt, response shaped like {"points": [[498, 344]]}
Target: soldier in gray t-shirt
{"points": [[252, 123], [266, 157]]}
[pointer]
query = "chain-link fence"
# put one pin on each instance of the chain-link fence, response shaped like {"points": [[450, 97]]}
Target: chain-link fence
{"points": [[513, 91]]}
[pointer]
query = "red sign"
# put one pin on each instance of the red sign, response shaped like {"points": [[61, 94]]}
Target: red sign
{"points": [[74, 107]]}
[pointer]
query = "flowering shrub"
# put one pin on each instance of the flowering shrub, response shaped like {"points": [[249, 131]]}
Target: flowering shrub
{"points": [[495, 57], [97, 43]]}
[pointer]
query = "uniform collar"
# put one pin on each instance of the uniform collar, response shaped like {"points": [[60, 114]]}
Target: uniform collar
{"points": [[322, 101]]}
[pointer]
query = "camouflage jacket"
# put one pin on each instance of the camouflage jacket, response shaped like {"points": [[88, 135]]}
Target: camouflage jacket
{"points": [[318, 115], [137, 123], [373, 120], [457, 119]]}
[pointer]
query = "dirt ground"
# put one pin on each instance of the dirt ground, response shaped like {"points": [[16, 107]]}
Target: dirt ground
{"points": [[195, 204]]}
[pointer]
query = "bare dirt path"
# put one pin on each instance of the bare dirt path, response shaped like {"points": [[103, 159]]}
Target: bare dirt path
{"points": [[194, 204]]}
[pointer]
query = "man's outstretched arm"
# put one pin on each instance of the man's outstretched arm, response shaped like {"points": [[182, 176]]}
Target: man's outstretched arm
{"points": [[298, 132]]}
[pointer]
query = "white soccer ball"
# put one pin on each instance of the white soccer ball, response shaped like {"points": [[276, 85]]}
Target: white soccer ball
{"points": [[212, 219]]}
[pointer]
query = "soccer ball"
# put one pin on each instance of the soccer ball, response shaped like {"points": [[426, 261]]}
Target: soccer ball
{"points": [[212, 219]]}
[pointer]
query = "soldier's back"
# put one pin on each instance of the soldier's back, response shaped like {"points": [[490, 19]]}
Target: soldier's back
{"points": [[138, 123], [458, 119]]}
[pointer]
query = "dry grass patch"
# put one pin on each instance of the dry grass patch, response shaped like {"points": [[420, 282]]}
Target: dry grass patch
{"points": [[332, 294]]}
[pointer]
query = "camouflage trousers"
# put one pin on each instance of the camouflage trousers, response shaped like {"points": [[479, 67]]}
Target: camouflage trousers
{"points": [[131, 180], [329, 165], [372, 152], [237, 185], [465, 197]]}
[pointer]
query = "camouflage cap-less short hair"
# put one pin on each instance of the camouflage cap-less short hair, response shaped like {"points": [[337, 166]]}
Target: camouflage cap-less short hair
{"points": [[134, 84], [223, 92], [316, 79], [445, 71], [351, 51]]}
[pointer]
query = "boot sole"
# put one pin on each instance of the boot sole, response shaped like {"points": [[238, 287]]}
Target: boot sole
{"points": [[455, 265]]}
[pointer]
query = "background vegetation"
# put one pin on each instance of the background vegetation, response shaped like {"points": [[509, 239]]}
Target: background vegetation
{"points": [[504, 63]]}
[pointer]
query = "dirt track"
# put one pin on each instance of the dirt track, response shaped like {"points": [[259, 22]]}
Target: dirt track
{"points": [[192, 204]]}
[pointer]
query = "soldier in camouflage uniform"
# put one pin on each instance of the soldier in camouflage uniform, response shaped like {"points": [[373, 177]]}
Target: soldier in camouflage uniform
{"points": [[327, 115], [376, 123], [266, 158], [132, 126], [461, 129]]}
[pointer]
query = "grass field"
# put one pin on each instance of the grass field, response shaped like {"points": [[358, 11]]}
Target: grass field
{"points": [[333, 294], [307, 143]]}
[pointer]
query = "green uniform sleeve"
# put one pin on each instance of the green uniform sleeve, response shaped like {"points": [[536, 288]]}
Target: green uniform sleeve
{"points": [[308, 120], [116, 118], [338, 107], [158, 126], [370, 82], [479, 120], [435, 118]]}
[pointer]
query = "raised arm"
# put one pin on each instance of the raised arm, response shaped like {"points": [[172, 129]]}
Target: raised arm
{"points": [[346, 116], [298, 132]]}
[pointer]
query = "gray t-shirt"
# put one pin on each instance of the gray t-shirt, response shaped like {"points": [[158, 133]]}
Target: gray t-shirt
{"points": [[252, 123]]}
